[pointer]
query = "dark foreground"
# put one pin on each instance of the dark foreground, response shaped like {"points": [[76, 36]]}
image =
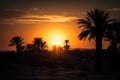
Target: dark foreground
{"points": [[51, 67]]}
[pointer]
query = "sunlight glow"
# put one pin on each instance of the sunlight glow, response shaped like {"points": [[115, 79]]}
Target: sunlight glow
{"points": [[57, 39]]}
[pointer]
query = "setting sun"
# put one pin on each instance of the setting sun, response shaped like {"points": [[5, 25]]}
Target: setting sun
{"points": [[56, 39]]}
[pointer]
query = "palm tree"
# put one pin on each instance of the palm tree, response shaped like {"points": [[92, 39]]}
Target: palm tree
{"points": [[17, 41], [94, 26], [66, 42], [39, 43], [44, 45], [66, 45], [29, 48], [112, 35]]}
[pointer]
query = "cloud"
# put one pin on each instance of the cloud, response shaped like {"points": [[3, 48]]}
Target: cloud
{"points": [[115, 13], [31, 16], [48, 18], [114, 9], [8, 13]]}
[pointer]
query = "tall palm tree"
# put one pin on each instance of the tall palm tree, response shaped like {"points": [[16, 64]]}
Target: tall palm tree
{"points": [[17, 41], [94, 26], [112, 35], [39, 43]]}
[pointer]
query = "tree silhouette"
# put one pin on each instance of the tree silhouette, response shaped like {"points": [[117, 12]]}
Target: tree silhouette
{"points": [[66, 46], [17, 41], [29, 48], [39, 43], [112, 35], [94, 26]]}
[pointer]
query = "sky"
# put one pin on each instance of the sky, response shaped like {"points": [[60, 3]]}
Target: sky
{"points": [[49, 19]]}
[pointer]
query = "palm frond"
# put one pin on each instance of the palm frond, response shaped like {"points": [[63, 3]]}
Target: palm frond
{"points": [[91, 36], [85, 24], [106, 16], [91, 15], [17, 40], [88, 19], [11, 44], [84, 34]]}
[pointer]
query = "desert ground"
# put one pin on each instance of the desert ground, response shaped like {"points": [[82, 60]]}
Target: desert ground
{"points": [[54, 67]]}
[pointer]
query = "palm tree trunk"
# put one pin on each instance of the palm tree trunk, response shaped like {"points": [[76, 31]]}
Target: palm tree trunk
{"points": [[113, 57], [98, 64], [17, 49], [115, 48]]}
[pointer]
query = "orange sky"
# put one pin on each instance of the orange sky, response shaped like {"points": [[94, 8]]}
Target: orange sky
{"points": [[67, 30], [48, 18], [45, 30]]}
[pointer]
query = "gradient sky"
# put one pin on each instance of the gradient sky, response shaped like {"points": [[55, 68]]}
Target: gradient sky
{"points": [[44, 18]]}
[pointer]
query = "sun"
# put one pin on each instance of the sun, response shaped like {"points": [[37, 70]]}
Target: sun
{"points": [[56, 40]]}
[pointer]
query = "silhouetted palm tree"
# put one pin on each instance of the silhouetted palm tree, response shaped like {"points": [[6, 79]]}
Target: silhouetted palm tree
{"points": [[113, 35], [39, 43], [29, 48], [66, 47], [17, 41], [43, 45], [66, 42], [94, 26]]}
